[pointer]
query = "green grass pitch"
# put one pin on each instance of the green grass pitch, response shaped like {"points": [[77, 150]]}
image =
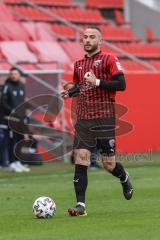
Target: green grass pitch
{"points": [[110, 216]]}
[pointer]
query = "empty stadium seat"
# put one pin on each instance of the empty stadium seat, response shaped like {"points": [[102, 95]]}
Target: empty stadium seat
{"points": [[155, 64], [150, 35], [49, 52], [117, 33], [44, 32], [39, 31], [5, 66], [64, 30], [74, 50], [119, 18], [27, 66], [13, 1], [5, 13], [12, 30], [105, 3], [141, 49], [106, 49], [47, 66], [79, 15], [54, 2], [30, 13], [132, 66], [17, 51]]}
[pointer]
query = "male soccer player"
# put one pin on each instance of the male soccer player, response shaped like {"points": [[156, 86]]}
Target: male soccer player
{"points": [[96, 79]]}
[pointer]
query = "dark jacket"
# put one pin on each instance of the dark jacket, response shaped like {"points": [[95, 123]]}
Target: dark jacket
{"points": [[13, 95]]}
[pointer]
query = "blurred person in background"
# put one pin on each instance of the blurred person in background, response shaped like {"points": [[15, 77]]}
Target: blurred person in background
{"points": [[12, 96], [4, 138]]}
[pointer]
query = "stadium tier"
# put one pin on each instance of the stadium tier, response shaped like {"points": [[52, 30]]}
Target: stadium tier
{"points": [[42, 38], [113, 4]]}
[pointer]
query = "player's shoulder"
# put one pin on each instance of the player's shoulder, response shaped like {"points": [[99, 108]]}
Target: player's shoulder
{"points": [[79, 62], [109, 55]]}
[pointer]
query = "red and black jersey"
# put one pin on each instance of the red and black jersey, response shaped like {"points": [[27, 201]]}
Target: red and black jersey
{"points": [[96, 102]]}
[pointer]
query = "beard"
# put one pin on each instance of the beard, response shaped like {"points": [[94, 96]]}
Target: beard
{"points": [[91, 49]]}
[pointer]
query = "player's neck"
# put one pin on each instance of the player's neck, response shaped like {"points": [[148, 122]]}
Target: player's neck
{"points": [[90, 54]]}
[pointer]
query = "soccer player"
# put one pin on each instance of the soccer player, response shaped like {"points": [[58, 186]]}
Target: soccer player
{"points": [[96, 79]]}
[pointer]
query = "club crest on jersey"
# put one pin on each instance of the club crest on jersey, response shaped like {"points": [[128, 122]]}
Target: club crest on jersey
{"points": [[97, 63]]}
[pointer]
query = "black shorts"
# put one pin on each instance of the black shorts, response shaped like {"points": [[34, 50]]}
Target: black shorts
{"points": [[96, 133]]}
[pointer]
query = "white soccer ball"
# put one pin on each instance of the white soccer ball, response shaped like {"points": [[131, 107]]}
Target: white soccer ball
{"points": [[44, 207]]}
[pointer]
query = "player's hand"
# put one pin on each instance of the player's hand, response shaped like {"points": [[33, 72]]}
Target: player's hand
{"points": [[65, 88], [90, 77], [64, 94]]}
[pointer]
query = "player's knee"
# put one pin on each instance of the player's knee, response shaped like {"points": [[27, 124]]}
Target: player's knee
{"points": [[109, 163], [82, 157]]}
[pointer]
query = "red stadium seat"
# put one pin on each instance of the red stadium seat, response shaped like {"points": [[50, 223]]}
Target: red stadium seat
{"points": [[12, 30], [4, 66], [26, 66], [74, 50], [54, 2], [5, 13], [64, 30], [30, 13], [111, 51], [118, 33], [17, 51], [44, 32], [119, 18], [47, 66], [79, 15], [49, 52], [132, 66], [105, 3], [150, 35], [13, 1], [155, 64], [141, 49], [31, 29]]}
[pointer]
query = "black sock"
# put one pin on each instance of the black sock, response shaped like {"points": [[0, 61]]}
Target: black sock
{"points": [[119, 172], [80, 182]]}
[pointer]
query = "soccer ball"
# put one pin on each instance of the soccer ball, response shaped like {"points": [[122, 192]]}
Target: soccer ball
{"points": [[44, 207]]}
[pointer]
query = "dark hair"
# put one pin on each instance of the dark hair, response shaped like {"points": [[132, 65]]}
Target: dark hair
{"points": [[94, 27], [16, 69]]}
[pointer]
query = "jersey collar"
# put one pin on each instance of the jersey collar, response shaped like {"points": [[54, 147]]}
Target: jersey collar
{"points": [[93, 55]]}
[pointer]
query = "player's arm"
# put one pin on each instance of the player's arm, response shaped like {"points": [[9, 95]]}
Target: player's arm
{"points": [[117, 80], [71, 89], [117, 84], [5, 99]]}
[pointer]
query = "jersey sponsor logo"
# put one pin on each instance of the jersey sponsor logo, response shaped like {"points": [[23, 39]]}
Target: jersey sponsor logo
{"points": [[119, 66], [80, 68]]}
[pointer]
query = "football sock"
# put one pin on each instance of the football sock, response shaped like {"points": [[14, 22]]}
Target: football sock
{"points": [[119, 172], [80, 182]]}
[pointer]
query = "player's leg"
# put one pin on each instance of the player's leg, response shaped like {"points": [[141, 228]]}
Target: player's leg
{"points": [[116, 168], [83, 143], [82, 160]]}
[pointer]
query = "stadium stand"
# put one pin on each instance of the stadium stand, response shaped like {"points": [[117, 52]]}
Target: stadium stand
{"points": [[17, 51], [66, 3], [12, 30], [48, 51], [119, 34], [113, 4], [49, 39]]}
